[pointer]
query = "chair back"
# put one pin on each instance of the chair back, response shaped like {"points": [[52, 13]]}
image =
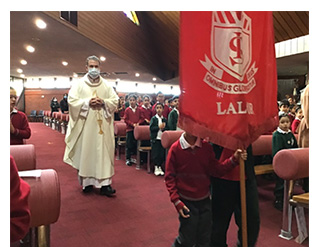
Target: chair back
{"points": [[24, 156], [142, 132], [262, 146], [169, 137]]}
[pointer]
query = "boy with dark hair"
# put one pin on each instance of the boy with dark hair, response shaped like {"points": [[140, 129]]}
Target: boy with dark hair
{"points": [[174, 114], [297, 120], [161, 99], [190, 163], [158, 124], [132, 117], [283, 106]]}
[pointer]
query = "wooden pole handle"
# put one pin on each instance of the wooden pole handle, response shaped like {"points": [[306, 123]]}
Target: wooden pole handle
{"points": [[243, 204]]}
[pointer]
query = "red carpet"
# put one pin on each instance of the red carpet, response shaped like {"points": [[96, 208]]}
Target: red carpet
{"points": [[140, 215]]}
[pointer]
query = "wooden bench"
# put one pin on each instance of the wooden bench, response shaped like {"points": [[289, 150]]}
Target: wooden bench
{"points": [[290, 165], [142, 133], [120, 135]]}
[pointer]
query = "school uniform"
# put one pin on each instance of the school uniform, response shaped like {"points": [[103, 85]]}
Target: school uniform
{"points": [[187, 177], [173, 119], [295, 125], [157, 151], [281, 140], [146, 113], [225, 193], [165, 113], [131, 116], [22, 131]]}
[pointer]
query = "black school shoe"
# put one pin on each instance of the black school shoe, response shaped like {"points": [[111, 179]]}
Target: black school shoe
{"points": [[278, 204], [128, 163], [87, 189], [107, 191]]}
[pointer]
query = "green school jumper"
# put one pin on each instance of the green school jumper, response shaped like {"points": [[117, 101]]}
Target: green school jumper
{"points": [[281, 140]]}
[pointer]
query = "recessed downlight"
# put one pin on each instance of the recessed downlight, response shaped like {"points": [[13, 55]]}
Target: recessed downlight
{"points": [[64, 63], [41, 24], [154, 79], [102, 58], [30, 48], [23, 62], [137, 74], [19, 71]]}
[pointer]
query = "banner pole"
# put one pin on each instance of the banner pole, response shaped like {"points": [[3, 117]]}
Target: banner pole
{"points": [[243, 204]]}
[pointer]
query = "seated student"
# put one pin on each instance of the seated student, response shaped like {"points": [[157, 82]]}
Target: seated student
{"points": [[174, 114], [282, 139], [19, 206], [132, 117], [189, 164], [292, 112], [158, 124], [297, 120], [146, 110], [283, 106], [19, 125]]}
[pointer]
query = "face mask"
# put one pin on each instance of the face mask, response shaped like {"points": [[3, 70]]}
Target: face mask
{"points": [[94, 72], [65, 97]]}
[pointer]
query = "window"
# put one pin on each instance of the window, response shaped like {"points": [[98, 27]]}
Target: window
{"points": [[70, 16]]}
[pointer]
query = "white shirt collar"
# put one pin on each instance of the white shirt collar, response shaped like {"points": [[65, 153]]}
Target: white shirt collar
{"points": [[143, 106], [282, 131], [184, 144], [157, 116], [133, 109], [14, 110]]}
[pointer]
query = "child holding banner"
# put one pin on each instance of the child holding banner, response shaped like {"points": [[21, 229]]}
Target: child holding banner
{"points": [[189, 164]]}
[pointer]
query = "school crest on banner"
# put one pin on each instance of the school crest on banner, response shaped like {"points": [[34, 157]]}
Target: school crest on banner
{"points": [[228, 76], [231, 52]]}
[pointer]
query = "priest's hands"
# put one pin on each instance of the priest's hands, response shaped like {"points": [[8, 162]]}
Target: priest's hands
{"points": [[96, 103]]}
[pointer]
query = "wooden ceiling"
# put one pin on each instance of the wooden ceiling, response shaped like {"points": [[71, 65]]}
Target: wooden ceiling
{"points": [[163, 28], [153, 46]]}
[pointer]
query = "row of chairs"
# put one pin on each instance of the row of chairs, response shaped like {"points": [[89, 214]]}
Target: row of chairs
{"points": [[44, 199], [36, 117], [57, 121]]}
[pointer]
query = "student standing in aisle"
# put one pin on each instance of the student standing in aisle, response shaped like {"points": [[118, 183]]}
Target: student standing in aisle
{"points": [[189, 164], [174, 113]]}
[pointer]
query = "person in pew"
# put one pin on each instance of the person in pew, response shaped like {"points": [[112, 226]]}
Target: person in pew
{"points": [[19, 125], [297, 120], [132, 118], [64, 104], [90, 135], [190, 163], [225, 193], [158, 125], [161, 99], [283, 138], [54, 105], [19, 207], [283, 106], [146, 110], [174, 114]]}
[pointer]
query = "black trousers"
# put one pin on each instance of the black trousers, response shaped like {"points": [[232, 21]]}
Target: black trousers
{"points": [[225, 202], [157, 152], [131, 145], [195, 230]]}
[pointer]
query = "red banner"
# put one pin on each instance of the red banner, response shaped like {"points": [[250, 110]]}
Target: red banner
{"points": [[228, 76]]}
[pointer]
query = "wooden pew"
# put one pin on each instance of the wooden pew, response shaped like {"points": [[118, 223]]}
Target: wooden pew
{"points": [[290, 165], [44, 199], [120, 135], [142, 133]]}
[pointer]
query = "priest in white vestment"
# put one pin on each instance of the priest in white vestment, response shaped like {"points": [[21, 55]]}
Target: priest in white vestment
{"points": [[90, 135]]}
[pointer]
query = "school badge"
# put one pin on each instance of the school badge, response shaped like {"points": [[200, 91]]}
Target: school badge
{"points": [[231, 53]]}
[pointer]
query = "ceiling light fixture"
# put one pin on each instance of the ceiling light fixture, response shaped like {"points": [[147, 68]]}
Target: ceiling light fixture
{"points": [[64, 63], [75, 75], [23, 62], [22, 75], [137, 74], [102, 58], [19, 71], [154, 79], [41, 24], [30, 48]]}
